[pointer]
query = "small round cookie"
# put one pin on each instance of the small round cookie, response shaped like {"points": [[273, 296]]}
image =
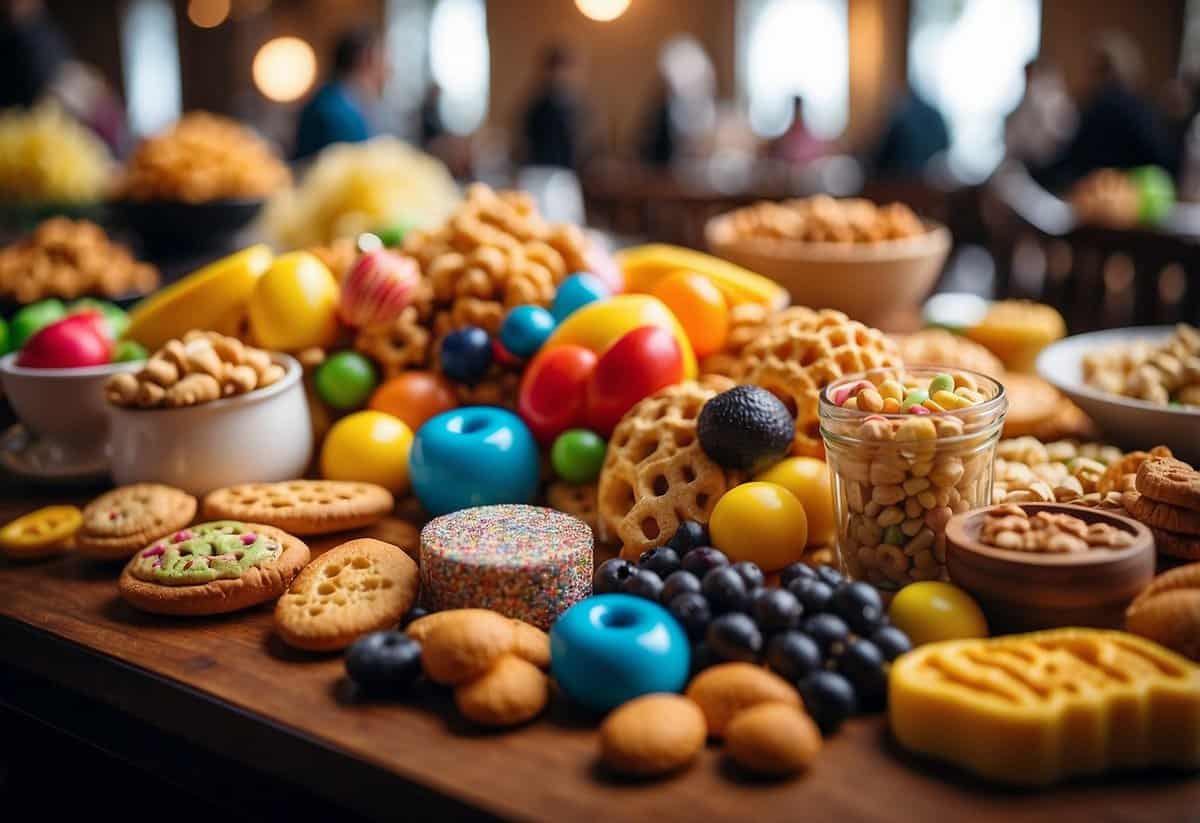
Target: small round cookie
{"points": [[513, 691], [121, 521], [1161, 515], [1031, 402], [1169, 481], [213, 568], [1182, 546], [724, 690], [302, 506], [773, 739], [459, 650], [1168, 611], [652, 735], [351, 590]]}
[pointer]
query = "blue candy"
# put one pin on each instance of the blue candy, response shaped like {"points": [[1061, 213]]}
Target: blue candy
{"points": [[576, 292], [611, 648], [473, 456], [525, 329], [466, 355]]}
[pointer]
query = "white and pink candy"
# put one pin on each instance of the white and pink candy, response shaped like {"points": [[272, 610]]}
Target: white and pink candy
{"points": [[377, 288]]}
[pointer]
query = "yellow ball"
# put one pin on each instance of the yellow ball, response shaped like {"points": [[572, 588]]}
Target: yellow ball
{"points": [[808, 479], [931, 611], [370, 447], [760, 522], [294, 304]]}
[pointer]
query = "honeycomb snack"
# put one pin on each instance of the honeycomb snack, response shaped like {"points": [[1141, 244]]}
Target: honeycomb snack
{"points": [[1034, 709], [1017, 330]]}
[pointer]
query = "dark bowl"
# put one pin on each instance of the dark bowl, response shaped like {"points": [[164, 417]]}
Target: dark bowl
{"points": [[172, 226]]}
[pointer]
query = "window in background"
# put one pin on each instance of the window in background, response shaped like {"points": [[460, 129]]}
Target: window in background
{"points": [[407, 34], [967, 58], [794, 47], [459, 61], [150, 62]]}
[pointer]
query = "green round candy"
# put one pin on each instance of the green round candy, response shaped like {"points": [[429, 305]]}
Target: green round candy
{"points": [[941, 382], [114, 316], [346, 380], [128, 351], [393, 235], [914, 398], [1156, 193], [893, 535], [577, 455], [33, 318], [3, 337]]}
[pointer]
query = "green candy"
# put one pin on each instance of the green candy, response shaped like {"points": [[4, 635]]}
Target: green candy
{"points": [[914, 398], [941, 382], [393, 235], [894, 536], [114, 316], [3, 337], [127, 351], [1156, 193], [577, 455], [346, 380], [33, 318]]}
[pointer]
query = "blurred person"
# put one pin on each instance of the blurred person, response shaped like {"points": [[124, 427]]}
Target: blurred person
{"points": [[797, 146], [657, 145], [339, 111], [683, 114], [32, 51], [915, 134], [552, 124], [1044, 120], [432, 126]]}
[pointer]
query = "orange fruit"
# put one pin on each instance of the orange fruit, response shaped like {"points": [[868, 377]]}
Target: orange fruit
{"points": [[700, 308]]}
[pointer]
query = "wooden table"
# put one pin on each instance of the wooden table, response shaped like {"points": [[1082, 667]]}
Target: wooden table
{"points": [[227, 686]]}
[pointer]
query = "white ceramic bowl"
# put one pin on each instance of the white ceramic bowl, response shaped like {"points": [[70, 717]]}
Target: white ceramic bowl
{"points": [[260, 437], [1125, 421]]}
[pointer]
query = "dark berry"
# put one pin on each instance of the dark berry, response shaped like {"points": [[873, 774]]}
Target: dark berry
{"points": [[725, 590], [692, 612], [813, 595], [643, 583], [830, 576], [690, 535], [891, 642], [859, 605], [414, 614], [792, 655], [795, 571], [734, 637], [611, 576], [829, 631], [751, 574], [829, 698], [704, 559], [861, 662], [776, 610], [466, 355], [702, 659], [384, 662], [662, 561], [680, 582]]}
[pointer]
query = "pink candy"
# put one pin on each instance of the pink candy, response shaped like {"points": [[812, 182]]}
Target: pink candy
{"points": [[154, 552], [844, 393], [918, 410], [180, 536], [248, 538]]}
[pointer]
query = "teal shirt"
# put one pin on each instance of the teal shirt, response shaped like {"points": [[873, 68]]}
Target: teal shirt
{"points": [[331, 116]]}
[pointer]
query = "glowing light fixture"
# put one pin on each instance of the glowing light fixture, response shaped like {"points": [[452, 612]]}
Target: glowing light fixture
{"points": [[284, 69], [602, 10], [208, 14]]}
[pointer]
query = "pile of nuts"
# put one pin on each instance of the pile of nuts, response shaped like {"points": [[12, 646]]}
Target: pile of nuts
{"points": [[823, 219], [202, 367], [1029, 471], [1010, 527], [1163, 373]]}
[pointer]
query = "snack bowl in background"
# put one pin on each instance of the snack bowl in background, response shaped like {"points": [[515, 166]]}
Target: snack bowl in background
{"points": [[172, 225], [259, 437]]}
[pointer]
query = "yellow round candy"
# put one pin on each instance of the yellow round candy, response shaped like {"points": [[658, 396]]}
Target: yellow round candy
{"points": [[808, 479], [40, 532], [294, 305], [931, 611], [760, 522], [598, 325], [370, 447]]}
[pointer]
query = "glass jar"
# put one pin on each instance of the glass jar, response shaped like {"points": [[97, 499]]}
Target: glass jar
{"points": [[898, 478]]}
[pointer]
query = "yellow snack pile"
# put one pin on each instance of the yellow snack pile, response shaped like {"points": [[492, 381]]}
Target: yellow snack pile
{"points": [[46, 156], [1034, 709]]}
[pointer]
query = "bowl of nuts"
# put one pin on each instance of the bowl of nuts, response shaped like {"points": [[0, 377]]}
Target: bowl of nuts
{"points": [[1037, 566]]}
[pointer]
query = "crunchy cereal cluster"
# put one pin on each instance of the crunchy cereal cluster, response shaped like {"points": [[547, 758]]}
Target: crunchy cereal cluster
{"points": [[201, 367], [69, 258], [1011, 527], [1163, 373], [823, 219], [1106, 197]]}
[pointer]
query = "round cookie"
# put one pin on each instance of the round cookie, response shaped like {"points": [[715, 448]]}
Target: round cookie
{"points": [[513, 691], [1169, 481], [213, 586], [119, 522], [1168, 611], [529, 642], [1182, 546], [302, 506], [356, 588], [458, 651], [1161, 515], [525, 562], [773, 739], [1031, 402], [724, 690], [652, 735]]}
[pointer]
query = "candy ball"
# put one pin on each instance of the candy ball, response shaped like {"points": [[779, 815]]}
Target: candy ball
{"points": [[553, 390], [294, 304], [414, 397], [345, 380], [466, 355], [808, 479], [377, 288], [576, 292], [932, 611], [33, 318], [760, 522], [525, 329], [636, 366], [577, 455], [371, 447], [608, 649], [127, 351], [700, 307], [474, 456], [76, 341]]}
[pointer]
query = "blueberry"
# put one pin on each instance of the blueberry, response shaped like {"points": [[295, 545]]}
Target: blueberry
{"points": [[700, 561], [751, 574], [829, 698], [794, 572], [692, 612], [734, 637], [611, 576], [414, 614], [643, 583], [678, 583], [662, 561], [792, 655], [859, 605], [829, 631], [830, 576], [384, 662], [891, 642], [690, 535], [813, 595], [776, 610], [702, 659], [725, 590], [861, 662], [466, 355]]}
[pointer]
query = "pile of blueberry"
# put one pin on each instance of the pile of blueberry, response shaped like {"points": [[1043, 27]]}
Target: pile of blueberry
{"points": [[828, 636]]}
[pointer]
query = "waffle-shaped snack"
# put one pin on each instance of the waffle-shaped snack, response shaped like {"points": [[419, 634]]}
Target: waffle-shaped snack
{"points": [[801, 356], [938, 347], [655, 474], [1037, 708]]}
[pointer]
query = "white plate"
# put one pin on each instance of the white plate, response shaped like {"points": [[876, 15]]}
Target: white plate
{"points": [[1125, 421]]}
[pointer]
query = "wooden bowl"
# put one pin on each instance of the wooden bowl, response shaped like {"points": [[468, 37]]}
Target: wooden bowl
{"points": [[868, 281], [1027, 591]]}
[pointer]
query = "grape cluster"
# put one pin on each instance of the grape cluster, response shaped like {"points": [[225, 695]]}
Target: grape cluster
{"points": [[828, 636]]}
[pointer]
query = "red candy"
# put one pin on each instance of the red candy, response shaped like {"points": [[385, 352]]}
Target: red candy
{"points": [[75, 342], [554, 390], [640, 363]]}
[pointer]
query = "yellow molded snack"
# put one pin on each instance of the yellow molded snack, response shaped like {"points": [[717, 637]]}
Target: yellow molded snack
{"points": [[644, 266], [1033, 709], [1017, 330]]}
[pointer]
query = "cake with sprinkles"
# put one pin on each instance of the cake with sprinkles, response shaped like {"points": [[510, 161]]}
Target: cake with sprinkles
{"points": [[526, 562]]}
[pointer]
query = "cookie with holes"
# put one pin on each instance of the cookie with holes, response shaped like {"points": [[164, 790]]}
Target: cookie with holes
{"points": [[118, 523], [302, 506], [356, 588], [213, 568]]}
